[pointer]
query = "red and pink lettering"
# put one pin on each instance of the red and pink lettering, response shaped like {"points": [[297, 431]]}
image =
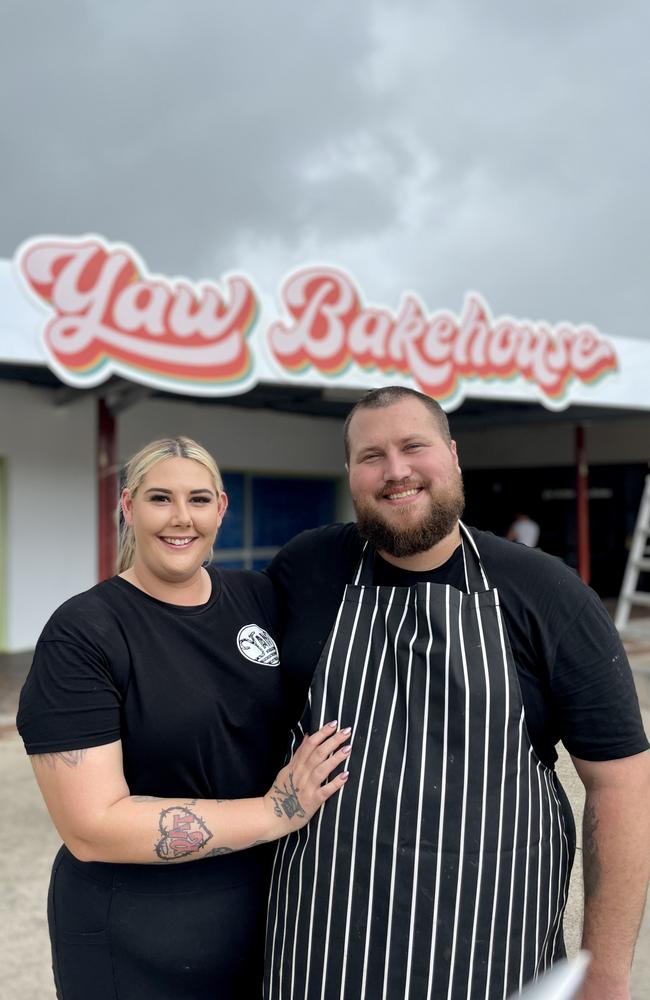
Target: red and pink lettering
{"points": [[109, 315], [329, 328], [183, 839]]}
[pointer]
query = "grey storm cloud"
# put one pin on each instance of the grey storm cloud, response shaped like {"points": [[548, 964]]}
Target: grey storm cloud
{"points": [[434, 147]]}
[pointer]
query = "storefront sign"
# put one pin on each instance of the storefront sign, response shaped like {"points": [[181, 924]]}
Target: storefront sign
{"points": [[102, 313], [108, 315], [330, 329]]}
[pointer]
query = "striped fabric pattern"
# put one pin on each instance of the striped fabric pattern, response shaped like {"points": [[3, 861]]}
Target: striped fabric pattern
{"points": [[441, 869]]}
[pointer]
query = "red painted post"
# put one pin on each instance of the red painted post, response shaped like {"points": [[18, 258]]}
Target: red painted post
{"points": [[107, 486], [582, 507]]}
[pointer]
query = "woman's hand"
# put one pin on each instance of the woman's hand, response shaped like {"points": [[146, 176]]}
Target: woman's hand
{"points": [[301, 787]]}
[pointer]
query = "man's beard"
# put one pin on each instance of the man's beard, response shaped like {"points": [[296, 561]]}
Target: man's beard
{"points": [[445, 508]]}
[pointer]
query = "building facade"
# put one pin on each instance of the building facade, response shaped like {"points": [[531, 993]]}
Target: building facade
{"points": [[97, 358]]}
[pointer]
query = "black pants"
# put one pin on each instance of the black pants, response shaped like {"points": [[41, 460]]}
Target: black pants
{"points": [[149, 932]]}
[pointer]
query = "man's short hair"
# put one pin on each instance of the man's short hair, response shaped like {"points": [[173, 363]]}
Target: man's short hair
{"points": [[387, 396]]}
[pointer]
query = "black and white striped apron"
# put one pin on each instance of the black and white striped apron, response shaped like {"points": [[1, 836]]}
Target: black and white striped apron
{"points": [[441, 869]]}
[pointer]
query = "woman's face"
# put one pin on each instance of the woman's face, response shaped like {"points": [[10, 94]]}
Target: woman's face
{"points": [[175, 515]]}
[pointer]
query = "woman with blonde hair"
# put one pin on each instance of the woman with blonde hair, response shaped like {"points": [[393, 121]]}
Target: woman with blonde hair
{"points": [[154, 715]]}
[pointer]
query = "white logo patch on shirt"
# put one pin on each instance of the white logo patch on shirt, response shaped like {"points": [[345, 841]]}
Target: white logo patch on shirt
{"points": [[256, 644]]}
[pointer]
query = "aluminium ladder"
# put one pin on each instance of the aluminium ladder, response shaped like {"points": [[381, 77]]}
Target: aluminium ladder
{"points": [[638, 562]]}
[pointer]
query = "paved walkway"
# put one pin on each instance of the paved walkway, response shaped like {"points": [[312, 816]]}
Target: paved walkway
{"points": [[30, 843]]}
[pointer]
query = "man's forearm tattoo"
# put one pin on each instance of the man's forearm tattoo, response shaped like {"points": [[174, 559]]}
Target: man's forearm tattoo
{"points": [[68, 757], [182, 833], [286, 799], [590, 859]]}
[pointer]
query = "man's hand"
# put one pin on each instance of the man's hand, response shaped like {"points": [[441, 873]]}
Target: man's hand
{"points": [[599, 987], [616, 864]]}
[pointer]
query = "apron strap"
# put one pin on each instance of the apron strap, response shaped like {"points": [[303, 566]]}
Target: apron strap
{"points": [[475, 578], [360, 567]]}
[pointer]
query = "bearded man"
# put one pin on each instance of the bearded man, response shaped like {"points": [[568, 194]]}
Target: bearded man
{"points": [[460, 660]]}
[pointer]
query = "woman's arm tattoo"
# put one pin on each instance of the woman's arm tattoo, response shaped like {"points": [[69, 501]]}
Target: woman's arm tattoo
{"points": [[157, 798], [182, 833], [68, 757], [217, 851], [286, 799]]}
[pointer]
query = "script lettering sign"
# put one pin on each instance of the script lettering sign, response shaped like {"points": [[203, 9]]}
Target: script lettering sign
{"points": [[108, 315], [328, 328], [105, 314]]}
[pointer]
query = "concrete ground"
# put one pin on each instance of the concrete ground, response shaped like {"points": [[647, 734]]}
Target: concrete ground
{"points": [[31, 842]]}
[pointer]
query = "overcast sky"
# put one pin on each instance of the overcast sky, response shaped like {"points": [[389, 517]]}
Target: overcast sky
{"points": [[439, 147]]}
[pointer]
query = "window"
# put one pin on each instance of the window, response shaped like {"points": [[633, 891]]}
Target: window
{"points": [[264, 512]]}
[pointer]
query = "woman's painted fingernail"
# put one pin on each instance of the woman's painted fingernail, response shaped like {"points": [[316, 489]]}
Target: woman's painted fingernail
{"points": [[345, 731], [344, 775], [347, 748], [333, 724]]}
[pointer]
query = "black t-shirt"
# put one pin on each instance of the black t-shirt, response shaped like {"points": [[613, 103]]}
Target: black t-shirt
{"points": [[575, 679], [195, 694]]}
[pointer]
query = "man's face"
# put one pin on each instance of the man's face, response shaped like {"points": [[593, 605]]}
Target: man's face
{"points": [[405, 479]]}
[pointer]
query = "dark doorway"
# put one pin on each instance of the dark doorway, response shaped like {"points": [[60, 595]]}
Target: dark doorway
{"points": [[494, 496]]}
